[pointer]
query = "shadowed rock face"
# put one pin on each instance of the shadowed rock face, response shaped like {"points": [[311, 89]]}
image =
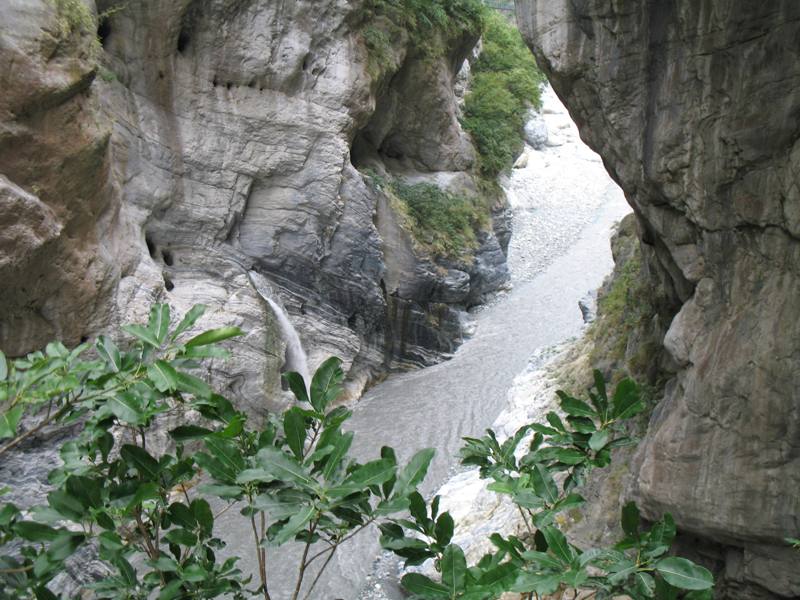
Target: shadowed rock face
{"points": [[208, 139], [694, 106]]}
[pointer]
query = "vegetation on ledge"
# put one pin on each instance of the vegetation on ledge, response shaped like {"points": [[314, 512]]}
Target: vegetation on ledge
{"points": [[443, 223], [427, 23], [505, 84]]}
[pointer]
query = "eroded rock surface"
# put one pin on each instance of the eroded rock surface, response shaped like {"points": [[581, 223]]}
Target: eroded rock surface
{"points": [[195, 142], [695, 108]]}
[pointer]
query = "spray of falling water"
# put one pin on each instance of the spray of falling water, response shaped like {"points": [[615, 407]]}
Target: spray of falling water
{"points": [[296, 359]]}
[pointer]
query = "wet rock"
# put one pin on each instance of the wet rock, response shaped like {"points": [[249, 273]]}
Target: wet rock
{"points": [[536, 130], [588, 307]]}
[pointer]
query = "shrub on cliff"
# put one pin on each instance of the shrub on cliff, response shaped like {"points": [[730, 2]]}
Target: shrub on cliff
{"points": [[445, 223], [505, 84]]}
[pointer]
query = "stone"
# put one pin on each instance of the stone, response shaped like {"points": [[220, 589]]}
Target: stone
{"points": [[694, 107], [535, 130]]}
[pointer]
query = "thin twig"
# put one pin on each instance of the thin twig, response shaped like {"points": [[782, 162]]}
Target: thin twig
{"points": [[16, 570], [262, 572], [320, 572], [303, 564]]}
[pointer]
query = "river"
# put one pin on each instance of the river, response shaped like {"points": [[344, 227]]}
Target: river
{"points": [[565, 206]]}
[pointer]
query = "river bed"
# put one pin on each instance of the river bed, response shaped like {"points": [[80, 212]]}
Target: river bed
{"points": [[565, 206]]}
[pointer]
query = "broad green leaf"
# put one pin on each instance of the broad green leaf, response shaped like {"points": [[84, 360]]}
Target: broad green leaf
{"points": [[66, 505], [35, 532], [227, 454], [142, 333], [9, 421], [645, 584], [226, 492], [274, 506], [600, 400], [599, 439], [184, 433], [283, 467], [163, 376], [536, 582], [700, 595], [159, 322], [444, 529], [557, 544], [181, 536], [555, 421], [213, 336], [294, 428], [188, 320], [569, 456], [573, 406], [192, 385], [127, 407], [424, 587], [144, 492], [684, 574], [3, 366], [454, 569], [140, 459], [294, 525], [298, 385], [325, 383], [626, 400], [109, 352], [374, 472], [543, 484], [341, 446], [630, 519], [413, 474]]}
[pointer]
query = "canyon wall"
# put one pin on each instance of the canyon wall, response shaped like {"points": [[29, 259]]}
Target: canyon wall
{"points": [[200, 151], [694, 106]]}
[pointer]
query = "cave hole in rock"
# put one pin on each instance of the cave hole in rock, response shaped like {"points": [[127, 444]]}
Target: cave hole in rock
{"points": [[215, 82], [183, 41], [168, 257], [84, 339], [151, 246], [305, 63], [103, 31], [168, 285], [229, 85]]}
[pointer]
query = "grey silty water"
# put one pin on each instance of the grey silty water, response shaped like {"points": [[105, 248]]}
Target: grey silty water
{"points": [[565, 235]]}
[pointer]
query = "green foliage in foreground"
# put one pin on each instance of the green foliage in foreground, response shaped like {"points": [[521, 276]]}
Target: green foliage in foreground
{"points": [[446, 224], [293, 480], [541, 478], [505, 84], [290, 480]]}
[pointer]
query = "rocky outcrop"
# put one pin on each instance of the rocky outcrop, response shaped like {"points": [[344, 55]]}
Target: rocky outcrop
{"points": [[184, 145], [695, 108]]}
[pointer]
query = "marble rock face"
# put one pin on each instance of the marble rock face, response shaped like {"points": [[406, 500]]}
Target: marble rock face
{"points": [[192, 142], [694, 106]]}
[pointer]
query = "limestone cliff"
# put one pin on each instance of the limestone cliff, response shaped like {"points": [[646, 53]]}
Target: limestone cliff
{"points": [[185, 150], [694, 106]]}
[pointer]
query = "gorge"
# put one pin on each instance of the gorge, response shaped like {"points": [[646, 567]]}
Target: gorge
{"points": [[282, 162]]}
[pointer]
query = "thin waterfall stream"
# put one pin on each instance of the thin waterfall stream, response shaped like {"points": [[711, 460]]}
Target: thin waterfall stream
{"points": [[565, 206]]}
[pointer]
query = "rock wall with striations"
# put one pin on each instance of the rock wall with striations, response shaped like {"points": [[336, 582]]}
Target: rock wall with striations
{"points": [[694, 106], [200, 151]]}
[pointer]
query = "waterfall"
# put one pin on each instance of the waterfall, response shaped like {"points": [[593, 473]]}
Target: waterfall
{"points": [[296, 359]]}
